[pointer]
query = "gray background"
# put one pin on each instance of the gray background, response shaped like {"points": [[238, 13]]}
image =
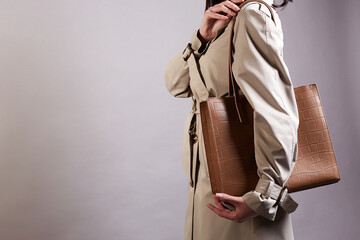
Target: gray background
{"points": [[90, 139]]}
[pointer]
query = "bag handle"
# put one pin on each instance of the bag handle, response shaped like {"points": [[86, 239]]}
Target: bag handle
{"points": [[231, 81]]}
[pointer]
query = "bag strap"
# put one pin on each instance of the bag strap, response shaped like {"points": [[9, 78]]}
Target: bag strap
{"points": [[231, 82], [231, 85]]}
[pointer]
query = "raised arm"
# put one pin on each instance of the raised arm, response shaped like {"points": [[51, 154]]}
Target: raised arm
{"points": [[177, 72]]}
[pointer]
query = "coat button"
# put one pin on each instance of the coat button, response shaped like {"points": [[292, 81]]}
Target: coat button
{"points": [[195, 138], [191, 184]]}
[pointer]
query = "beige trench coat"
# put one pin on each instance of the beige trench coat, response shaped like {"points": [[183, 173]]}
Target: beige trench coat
{"points": [[261, 73]]}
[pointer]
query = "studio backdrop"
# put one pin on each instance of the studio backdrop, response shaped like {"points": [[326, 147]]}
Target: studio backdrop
{"points": [[90, 139]]}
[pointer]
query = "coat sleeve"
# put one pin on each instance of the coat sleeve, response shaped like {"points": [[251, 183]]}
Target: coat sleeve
{"points": [[263, 77], [177, 77]]}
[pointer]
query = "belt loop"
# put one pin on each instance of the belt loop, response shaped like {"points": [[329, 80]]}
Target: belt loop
{"points": [[285, 201], [283, 193], [187, 52]]}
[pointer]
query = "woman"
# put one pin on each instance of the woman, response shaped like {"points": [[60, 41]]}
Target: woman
{"points": [[260, 71]]}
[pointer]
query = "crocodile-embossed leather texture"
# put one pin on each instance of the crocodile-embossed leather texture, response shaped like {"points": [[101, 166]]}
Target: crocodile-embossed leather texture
{"points": [[316, 163], [229, 145]]}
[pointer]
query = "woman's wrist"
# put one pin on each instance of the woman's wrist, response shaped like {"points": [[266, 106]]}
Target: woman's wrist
{"points": [[203, 38]]}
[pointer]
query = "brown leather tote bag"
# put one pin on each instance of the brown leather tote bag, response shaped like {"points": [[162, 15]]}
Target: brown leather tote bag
{"points": [[228, 131]]}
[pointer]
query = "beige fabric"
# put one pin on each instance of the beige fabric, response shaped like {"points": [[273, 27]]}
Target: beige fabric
{"points": [[261, 73]]}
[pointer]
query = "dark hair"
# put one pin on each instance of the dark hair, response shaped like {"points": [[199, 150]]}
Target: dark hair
{"points": [[210, 3]]}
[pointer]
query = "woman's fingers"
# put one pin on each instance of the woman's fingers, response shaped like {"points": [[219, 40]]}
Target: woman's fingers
{"points": [[228, 7], [218, 203], [227, 198], [242, 213], [221, 213], [232, 5], [221, 8], [236, 1], [217, 15]]}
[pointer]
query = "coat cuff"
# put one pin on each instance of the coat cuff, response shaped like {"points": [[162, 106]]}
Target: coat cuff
{"points": [[195, 46], [267, 197]]}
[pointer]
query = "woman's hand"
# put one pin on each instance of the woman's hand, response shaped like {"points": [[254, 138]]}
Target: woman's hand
{"points": [[242, 212], [214, 18]]}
